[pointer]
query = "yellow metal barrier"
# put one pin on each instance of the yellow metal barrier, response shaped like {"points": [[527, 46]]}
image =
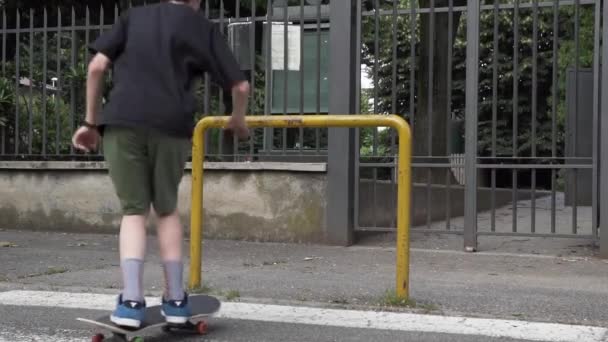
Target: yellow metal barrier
{"points": [[318, 121]]}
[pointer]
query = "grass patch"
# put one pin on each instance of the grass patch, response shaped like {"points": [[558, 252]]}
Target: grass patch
{"points": [[232, 295], [55, 270], [201, 290], [49, 271], [390, 298]]}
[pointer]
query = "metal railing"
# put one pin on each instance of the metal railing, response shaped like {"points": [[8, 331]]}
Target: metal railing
{"points": [[403, 179]]}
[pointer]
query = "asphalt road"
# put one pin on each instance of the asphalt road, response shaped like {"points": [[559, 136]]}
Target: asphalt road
{"points": [[19, 323]]}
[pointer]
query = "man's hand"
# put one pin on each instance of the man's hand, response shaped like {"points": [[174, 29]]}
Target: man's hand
{"points": [[238, 126], [237, 123], [86, 139]]}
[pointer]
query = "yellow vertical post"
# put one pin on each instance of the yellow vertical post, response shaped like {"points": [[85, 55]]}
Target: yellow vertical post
{"points": [[196, 215], [403, 210]]}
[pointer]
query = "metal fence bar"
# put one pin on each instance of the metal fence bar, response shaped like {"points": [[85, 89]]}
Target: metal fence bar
{"points": [[494, 113], [30, 107], [375, 130], [301, 129], [302, 72], [577, 47], [472, 82], [430, 85], [604, 140], [268, 132], [357, 131], [412, 78], [515, 105], [554, 95], [534, 107], [17, 83], [86, 31], [393, 106], [492, 166], [4, 34], [285, 70], [448, 190], [523, 234], [253, 63], [44, 83], [412, 63], [431, 76], [596, 108], [220, 90], [235, 142], [100, 151], [318, 71], [72, 85], [206, 87], [58, 84]]}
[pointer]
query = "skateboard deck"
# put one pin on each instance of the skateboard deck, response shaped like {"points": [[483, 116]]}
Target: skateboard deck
{"points": [[202, 306]]}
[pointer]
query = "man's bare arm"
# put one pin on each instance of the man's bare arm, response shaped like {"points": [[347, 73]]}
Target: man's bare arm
{"points": [[97, 68]]}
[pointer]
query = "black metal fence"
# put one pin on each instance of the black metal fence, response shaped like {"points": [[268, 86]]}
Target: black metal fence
{"points": [[282, 48], [520, 77], [535, 158]]}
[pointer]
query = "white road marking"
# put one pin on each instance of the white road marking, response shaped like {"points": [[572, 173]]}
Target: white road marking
{"points": [[532, 331], [13, 335]]}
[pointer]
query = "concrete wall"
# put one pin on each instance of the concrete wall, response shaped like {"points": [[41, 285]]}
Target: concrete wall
{"points": [[282, 202], [257, 201]]}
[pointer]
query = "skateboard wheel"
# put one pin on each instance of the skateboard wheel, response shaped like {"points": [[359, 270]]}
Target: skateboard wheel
{"points": [[201, 327], [138, 339], [97, 338]]}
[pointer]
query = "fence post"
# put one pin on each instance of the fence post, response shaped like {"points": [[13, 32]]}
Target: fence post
{"points": [[341, 142], [604, 139], [472, 78]]}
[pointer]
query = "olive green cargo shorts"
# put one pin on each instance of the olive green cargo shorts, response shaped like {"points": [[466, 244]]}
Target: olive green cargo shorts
{"points": [[146, 167]]}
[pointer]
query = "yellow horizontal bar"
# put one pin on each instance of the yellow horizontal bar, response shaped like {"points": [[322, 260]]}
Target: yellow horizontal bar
{"points": [[319, 121]]}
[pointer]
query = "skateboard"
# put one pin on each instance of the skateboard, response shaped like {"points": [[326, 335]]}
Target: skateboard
{"points": [[202, 306]]}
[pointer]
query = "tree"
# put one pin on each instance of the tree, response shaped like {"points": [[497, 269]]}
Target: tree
{"points": [[378, 54]]}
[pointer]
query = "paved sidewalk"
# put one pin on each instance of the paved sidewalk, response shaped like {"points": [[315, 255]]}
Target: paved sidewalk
{"points": [[564, 284]]}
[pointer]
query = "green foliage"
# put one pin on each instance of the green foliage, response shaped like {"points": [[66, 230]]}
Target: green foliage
{"points": [[7, 100], [542, 138], [378, 56]]}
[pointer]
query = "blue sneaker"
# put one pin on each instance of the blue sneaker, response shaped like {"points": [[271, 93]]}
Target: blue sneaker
{"points": [[176, 311], [128, 313]]}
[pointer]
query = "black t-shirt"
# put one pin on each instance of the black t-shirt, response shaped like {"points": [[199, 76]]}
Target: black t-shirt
{"points": [[157, 52]]}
